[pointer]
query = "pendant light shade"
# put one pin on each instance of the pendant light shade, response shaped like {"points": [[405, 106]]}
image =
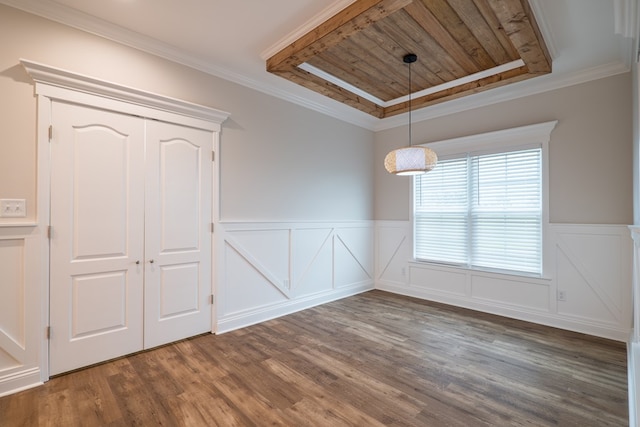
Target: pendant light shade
{"points": [[410, 160]]}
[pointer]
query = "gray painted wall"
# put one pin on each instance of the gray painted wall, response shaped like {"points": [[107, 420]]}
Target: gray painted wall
{"points": [[280, 161], [591, 167]]}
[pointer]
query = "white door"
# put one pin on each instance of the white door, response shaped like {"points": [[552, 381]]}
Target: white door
{"points": [[97, 219], [178, 233]]}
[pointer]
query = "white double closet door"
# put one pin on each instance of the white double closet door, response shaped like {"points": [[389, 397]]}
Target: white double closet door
{"points": [[130, 265]]}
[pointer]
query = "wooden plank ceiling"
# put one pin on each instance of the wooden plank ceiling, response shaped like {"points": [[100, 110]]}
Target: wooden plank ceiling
{"points": [[463, 47]]}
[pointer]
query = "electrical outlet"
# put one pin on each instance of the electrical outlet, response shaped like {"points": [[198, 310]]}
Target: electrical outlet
{"points": [[562, 295], [13, 208], [403, 272], [286, 283]]}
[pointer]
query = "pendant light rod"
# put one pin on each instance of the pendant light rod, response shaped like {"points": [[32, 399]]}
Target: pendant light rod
{"points": [[410, 58]]}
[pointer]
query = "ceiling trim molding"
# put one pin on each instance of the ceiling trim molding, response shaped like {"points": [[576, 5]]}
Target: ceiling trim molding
{"points": [[547, 34], [327, 13]]}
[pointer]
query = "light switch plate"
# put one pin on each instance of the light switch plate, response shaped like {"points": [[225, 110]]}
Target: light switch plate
{"points": [[13, 208]]}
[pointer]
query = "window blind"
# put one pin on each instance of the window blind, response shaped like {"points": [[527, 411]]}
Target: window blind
{"points": [[482, 211]]}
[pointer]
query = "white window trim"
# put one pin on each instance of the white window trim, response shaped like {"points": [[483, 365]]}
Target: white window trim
{"points": [[507, 139]]}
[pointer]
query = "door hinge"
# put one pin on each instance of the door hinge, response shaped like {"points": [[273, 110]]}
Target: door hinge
{"points": [[213, 156], [48, 332], [50, 132], [49, 232], [213, 298], [212, 227]]}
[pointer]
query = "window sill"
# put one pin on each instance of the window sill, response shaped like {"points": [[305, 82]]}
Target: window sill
{"points": [[475, 271]]}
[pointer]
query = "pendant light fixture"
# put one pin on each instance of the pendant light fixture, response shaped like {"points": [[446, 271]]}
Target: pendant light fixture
{"points": [[410, 160]]}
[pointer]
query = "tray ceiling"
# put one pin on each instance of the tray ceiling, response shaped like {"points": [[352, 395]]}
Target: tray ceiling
{"points": [[463, 47]]}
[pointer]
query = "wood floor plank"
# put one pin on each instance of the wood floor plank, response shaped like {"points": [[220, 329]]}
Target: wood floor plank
{"points": [[375, 359]]}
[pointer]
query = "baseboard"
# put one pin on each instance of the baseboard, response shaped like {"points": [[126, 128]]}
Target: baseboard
{"points": [[254, 316], [542, 318], [19, 381], [633, 361]]}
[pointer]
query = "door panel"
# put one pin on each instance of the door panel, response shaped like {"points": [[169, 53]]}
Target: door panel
{"points": [[179, 290], [179, 179], [97, 206], [178, 235], [100, 157], [90, 293]]}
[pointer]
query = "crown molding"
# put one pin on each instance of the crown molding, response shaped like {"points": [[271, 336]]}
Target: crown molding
{"points": [[327, 13], [542, 21]]}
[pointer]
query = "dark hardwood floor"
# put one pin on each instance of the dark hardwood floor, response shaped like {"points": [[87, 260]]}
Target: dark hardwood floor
{"points": [[369, 360]]}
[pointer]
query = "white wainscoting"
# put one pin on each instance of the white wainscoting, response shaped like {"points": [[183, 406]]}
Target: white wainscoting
{"points": [[633, 347], [591, 264], [19, 309], [266, 270]]}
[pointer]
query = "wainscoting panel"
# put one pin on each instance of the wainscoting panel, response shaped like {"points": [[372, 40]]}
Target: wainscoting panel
{"points": [[19, 309], [586, 286], [438, 280], [271, 269], [392, 256], [585, 279], [312, 261], [353, 256], [526, 294]]}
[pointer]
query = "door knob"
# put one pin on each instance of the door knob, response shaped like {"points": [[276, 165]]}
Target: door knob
{"points": [[138, 262], [151, 261]]}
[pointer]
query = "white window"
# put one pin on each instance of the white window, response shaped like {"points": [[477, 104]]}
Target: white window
{"points": [[484, 205]]}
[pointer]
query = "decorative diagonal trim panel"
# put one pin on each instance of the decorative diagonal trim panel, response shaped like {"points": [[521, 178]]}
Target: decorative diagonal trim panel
{"points": [[307, 263]]}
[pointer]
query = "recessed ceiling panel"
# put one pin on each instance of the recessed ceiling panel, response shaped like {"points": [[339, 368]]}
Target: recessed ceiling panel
{"points": [[463, 47]]}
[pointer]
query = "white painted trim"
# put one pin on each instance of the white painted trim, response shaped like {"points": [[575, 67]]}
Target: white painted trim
{"points": [[20, 381], [545, 318], [18, 224], [537, 133], [542, 21], [428, 91], [503, 140], [263, 314], [633, 372], [293, 224], [327, 13], [284, 285], [215, 241], [44, 220], [635, 235], [50, 79]]}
